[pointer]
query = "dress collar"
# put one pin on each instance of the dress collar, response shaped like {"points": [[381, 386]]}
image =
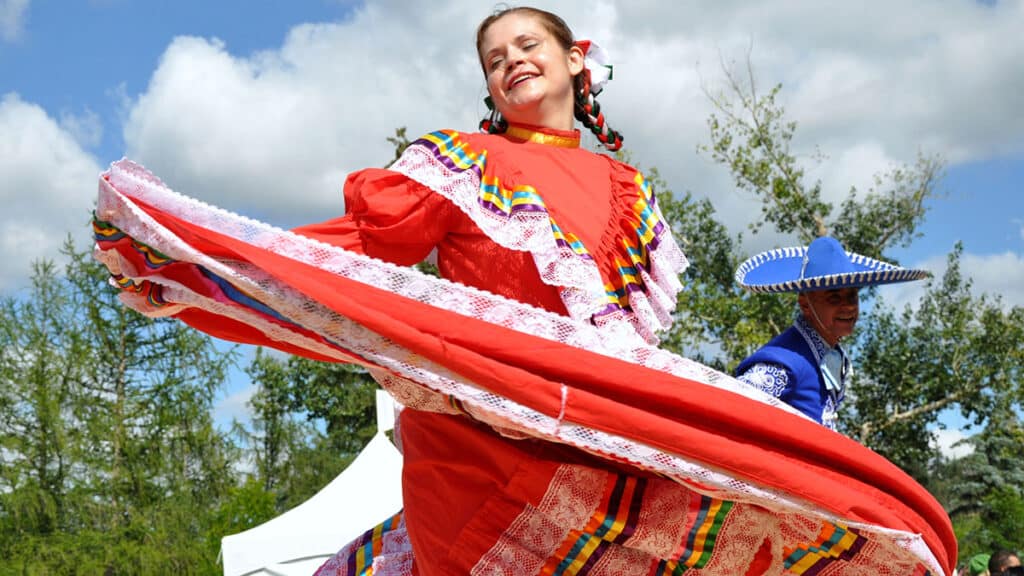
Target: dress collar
{"points": [[546, 136]]}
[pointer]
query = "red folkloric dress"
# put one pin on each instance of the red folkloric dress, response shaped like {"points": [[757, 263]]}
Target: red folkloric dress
{"points": [[544, 432]]}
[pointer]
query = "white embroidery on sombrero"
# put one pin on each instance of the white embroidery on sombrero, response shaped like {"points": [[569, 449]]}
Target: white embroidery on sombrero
{"points": [[822, 265]]}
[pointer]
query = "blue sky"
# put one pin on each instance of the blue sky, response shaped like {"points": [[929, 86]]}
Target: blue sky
{"points": [[87, 55], [982, 206], [263, 106]]}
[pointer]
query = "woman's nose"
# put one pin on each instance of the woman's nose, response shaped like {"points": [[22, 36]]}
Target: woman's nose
{"points": [[515, 56]]}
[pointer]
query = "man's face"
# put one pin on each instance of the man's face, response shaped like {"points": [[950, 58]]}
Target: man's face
{"points": [[833, 313], [1011, 562]]}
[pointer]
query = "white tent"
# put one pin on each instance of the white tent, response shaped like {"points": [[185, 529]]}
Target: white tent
{"points": [[300, 540]]}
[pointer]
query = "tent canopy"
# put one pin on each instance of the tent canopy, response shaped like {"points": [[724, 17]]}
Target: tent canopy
{"points": [[303, 538]]}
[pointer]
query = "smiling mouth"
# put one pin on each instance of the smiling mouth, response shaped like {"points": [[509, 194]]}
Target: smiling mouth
{"points": [[520, 79]]}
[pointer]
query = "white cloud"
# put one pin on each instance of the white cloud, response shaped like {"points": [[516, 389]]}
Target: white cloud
{"points": [[47, 187], [856, 167], [12, 18], [273, 134], [999, 274], [276, 132], [945, 441]]}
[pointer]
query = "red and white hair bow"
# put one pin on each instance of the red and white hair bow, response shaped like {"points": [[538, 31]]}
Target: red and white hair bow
{"points": [[597, 63]]}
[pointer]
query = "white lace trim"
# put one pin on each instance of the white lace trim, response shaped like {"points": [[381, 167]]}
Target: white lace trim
{"points": [[581, 287], [410, 374], [129, 180]]}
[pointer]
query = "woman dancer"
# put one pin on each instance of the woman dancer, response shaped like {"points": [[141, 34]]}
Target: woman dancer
{"points": [[544, 433]]}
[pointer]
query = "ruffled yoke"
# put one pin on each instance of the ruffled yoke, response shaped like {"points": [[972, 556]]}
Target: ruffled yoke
{"points": [[590, 223]]}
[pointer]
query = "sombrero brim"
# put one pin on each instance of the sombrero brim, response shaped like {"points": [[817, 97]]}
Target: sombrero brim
{"points": [[777, 271]]}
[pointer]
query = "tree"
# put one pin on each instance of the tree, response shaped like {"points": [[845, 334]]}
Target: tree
{"points": [[146, 401], [955, 351], [107, 437], [342, 396], [40, 360], [716, 321], [982, 490], [310, 420], [400, 141], [750, 135], [274, 434]]}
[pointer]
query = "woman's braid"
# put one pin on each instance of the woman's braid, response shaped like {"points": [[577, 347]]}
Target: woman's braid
{"points": [[588, 112]]}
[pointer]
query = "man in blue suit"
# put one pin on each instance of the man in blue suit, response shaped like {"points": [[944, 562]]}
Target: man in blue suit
{"points": [[805, 366]]}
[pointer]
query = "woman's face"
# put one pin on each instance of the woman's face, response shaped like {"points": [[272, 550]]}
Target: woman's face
{"points": [[529, 75]]}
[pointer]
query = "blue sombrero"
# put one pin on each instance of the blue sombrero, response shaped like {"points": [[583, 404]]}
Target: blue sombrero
{"points": [[823, 265]]}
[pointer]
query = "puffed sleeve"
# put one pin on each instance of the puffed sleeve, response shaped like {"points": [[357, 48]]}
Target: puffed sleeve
{"points": [[387, 216]]}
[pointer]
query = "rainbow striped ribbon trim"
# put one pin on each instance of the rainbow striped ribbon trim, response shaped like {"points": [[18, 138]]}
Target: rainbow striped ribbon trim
{"points": [[369, 545], [834, 543], [455, 154], [708, 514], [107, 232], [614, 521]]}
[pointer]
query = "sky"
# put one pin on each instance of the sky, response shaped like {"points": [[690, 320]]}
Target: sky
{"points": [[262, 107]]}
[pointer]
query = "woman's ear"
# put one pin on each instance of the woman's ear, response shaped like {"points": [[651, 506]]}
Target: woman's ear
{"points": [[575, 59]]}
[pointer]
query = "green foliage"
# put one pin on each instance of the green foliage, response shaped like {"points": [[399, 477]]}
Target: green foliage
{"points": [[400, 141], [983, 490], [38, 370], [106, 436], [343, 396], [888, 215], [749, 134], [294, 457], [1003, 518], [955, 349], [246, 505], [275, 434]]}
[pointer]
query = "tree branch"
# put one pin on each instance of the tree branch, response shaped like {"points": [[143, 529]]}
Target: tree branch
{"points": [[897, 417]]}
